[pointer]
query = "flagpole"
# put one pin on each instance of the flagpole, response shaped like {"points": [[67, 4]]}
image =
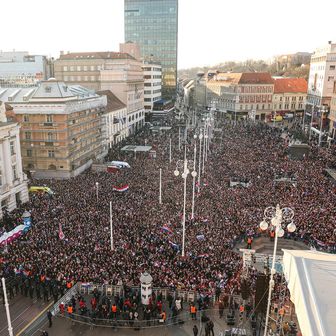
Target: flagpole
{"points": [[194, 179], [111, 227], [160, 189], [170, 152], [10, 328]]}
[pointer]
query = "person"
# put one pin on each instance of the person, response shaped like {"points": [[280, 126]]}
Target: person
{"points": [[49, 315], [193, 311], [221, 308], [45, 333], [211, 328], [249, 243], [195, 330]]}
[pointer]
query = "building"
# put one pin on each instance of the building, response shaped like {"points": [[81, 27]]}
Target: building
{"points": [[322, 76], [13, 182], [153, 24], [200, 91], [332, 115], [241, 94], [61, 127], [18, 68], [114, 120], [152, 83], [289, 95], [118, 72]]}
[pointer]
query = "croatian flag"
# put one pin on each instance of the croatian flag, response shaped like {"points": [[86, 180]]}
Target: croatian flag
{"points": [[166, 229], [121, 189], [86, 284], [60, 232], [17, 271]]}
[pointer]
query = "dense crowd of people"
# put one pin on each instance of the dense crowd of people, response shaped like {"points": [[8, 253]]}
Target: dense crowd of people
{"points": [[148, 235]]}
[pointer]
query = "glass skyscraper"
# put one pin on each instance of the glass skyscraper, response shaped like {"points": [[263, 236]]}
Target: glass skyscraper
{"points": [[153, 24]]}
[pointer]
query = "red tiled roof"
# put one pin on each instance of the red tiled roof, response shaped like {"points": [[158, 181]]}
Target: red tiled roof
{"points": [[96, 55], [282, 85], [256, 78]]}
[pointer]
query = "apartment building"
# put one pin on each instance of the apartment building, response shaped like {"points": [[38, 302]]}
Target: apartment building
{"points": [[152, 83], [13, 182], [61, 127]]}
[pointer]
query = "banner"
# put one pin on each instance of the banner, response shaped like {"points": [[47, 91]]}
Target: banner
{"points": [[121, 189]]}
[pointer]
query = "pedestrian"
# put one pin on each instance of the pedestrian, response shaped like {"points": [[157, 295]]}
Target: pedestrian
{"points": [[211, 328], [195, 330], [45, 333], [49, 315]]}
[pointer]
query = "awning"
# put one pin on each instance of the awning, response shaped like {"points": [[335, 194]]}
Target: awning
{"points": [[311, 278]]}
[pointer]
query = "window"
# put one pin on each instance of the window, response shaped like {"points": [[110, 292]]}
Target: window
{"points": [[92, 67], [332, 67], [51, 153], [49, 118], [50, 136], [14, 172], [28, 135], [72, 68], [85, 67], [26, 118], [65, 68], [78, 68], [29, 152], [12, 147]]}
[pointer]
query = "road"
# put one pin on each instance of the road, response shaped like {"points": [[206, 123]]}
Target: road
{"points": [[22, 311]]}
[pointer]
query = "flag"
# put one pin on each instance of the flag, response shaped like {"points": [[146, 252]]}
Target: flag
{"points": [[174, 246], [25, 273], [60, 232], [17, 271], [204, 220], [205, 184], [121, 189], [200, 237], [86, 284], [166, 229], [204, 255]]}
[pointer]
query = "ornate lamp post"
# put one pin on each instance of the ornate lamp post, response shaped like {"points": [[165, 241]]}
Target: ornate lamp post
{"points": [[277, 217]]}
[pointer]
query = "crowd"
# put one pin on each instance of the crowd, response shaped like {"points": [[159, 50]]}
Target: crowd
{"points": [[147, 235]]}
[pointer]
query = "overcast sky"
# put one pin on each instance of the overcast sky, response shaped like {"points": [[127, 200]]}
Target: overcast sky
{"points": [[210, 31]]}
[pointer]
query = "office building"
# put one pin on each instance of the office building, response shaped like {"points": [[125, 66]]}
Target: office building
{"points": [[19, 69], [153, 24], [152, 83]]}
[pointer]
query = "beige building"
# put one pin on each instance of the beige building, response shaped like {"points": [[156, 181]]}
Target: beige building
{"points": [[332, 115], [118, 72], [241, 94], [61, 127], [13, 182], [289, 95]]}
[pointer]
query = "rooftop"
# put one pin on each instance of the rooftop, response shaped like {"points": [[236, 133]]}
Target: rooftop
{"points": [[282, 85], [96, 55], [113, 102]]}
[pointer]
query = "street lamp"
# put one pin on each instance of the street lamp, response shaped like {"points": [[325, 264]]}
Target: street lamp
{"points": [[277, 217], [97, 192], [194, 174], [9, 321], [200, 136], [185, 165]]}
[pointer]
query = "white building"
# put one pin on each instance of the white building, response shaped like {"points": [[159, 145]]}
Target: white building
{"points": [[114, 120], [152, 83], [322, 76], [13, 182]]}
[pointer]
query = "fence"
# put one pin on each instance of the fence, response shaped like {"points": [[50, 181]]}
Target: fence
{"points": [[112, 290]]}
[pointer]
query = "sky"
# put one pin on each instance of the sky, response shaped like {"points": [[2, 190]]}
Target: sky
{"points": [[210, 31]]}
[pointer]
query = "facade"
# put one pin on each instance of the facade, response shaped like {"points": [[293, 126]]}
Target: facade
{"points": [[289, 95], [114, 120], [18, 68], [241, 94], [332, 116], [13, 182], [153, 24], [200, 91], [118, 72], [322, 76], [152, 84], [61, 127]]}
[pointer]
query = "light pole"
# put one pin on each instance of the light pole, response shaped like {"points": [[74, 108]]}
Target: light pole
{"points": [[186, 165], [194, 174], [160, 187], [204, 149], [200, 136], [97, 192], [322, 110], [111, 228], [277, 217], [10, 328], [170, 151]]}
